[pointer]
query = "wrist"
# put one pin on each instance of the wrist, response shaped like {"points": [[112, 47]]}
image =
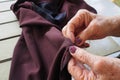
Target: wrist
{"points": [[115, 26]]}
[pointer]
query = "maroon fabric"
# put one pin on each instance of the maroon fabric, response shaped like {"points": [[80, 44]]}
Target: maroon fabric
{"points": [[41, 52]]}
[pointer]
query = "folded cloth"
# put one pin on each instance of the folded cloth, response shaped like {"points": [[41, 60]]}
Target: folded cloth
{"points": [[41, 52]]}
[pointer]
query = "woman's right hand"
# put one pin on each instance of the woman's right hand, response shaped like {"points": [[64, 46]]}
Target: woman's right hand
{"points": [[100, 68], [88, 26]]}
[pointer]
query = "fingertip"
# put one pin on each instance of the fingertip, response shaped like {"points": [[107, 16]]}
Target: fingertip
{"points": [[84, 45], [72, 49], [78, 40]]}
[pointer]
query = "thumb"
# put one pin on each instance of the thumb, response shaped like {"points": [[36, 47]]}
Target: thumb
{"points": [[83, 56], [87, 33]]}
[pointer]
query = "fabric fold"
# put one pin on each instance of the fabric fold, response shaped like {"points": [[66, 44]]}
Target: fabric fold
{"points": [[41, 52]]}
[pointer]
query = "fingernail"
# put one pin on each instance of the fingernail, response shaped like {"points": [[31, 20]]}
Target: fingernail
{"points": [[72, 49], [78, 40], [86, 45]]}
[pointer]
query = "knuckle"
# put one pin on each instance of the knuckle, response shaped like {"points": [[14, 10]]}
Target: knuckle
{"points": [[99, 64], [94, 22], [94, 26], [83, 11], [64, 30]]}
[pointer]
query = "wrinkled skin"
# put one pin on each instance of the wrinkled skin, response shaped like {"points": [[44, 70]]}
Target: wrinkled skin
{"points": [[102, 68], [89, 26]]}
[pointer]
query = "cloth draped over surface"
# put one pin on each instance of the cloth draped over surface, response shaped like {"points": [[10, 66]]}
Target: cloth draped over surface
{"points": [[41, 52]]}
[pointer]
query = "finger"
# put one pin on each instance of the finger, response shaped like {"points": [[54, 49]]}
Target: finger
{"points": [[75, 70], [89, 22], [79, 42], [84, 45], [75, 23], [86, 34], [72, 26], [77, 20], [91, 76], [83, 56], [70, 32]]}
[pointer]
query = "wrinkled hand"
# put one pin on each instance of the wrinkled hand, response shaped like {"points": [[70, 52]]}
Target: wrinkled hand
{"points": [[101, 68], [87, 26]]}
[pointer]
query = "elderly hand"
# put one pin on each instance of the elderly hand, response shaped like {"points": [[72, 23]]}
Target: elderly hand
{"points": [[88, 26], [101, 68]]}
